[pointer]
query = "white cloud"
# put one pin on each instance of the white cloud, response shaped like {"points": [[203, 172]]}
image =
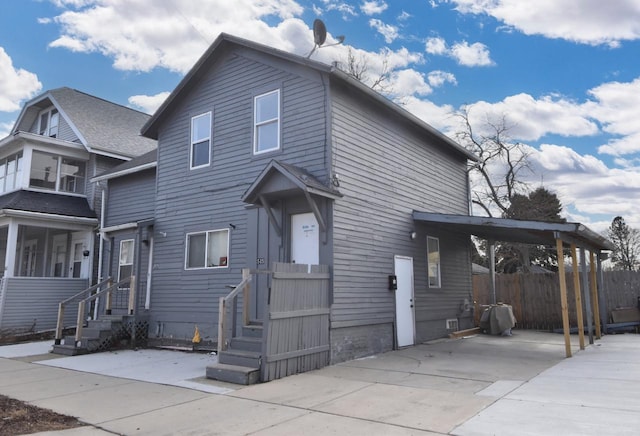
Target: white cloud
{"points": [[471, 55], [409, 82], [468, 55], [16, 84], [148, 103], [172, 35], [373, 7], [440, 117], [5, 128], [345, 9], [436, 46], [584, 21], [389, 32], [404, 16], [438, 78]]}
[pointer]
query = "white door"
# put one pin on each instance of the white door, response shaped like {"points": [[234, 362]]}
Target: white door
{"points": [[79, 263], [29, 253], [405, 313], [305, 239]]}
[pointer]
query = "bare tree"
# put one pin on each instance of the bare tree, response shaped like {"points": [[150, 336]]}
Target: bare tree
{"points": [[495, 151], [357, 66]]}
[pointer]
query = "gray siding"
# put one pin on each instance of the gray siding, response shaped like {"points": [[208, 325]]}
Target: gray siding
{"points": [[97, 165], [131, 198], [210, 198], [32, 303], [387, 169]]}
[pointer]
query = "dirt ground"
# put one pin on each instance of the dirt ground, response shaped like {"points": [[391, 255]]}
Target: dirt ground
{"points": [[18, 418]]}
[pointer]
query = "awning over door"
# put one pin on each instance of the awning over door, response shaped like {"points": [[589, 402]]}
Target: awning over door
{"points": [[280, 180]]}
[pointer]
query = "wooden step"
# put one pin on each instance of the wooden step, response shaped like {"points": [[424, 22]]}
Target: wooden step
{"points": [[252, 330], [68, 350], [249, 359], [241, 375], [246, 343]]}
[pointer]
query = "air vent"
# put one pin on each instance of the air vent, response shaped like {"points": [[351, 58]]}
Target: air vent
{"points": [[452, 324]]}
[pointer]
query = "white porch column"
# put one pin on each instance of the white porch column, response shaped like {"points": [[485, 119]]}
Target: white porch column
{"points": [[10, 254]]}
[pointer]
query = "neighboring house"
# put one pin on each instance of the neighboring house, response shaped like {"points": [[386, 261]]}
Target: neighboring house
{"points": [[49, 210], [264, 156]]}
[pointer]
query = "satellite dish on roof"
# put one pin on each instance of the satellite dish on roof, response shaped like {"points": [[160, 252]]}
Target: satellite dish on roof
{"points": [[319, 32], [320, 36]]}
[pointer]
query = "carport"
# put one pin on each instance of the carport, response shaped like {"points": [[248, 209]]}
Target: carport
{"points": [[574, 236]]}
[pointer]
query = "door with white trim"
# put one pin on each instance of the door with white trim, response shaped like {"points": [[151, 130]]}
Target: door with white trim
{"points": [[79, 264], [59, 255], [405, 311]]}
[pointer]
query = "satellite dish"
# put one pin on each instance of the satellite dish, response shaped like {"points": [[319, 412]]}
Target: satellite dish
{"points": [[319, 32]]}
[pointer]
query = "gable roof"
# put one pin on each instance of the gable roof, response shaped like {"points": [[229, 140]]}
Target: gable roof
{"points": [[103, 127], [225, 42]]}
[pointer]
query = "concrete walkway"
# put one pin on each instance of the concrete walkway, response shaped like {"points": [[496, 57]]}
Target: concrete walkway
{"points": [[481, 385]]}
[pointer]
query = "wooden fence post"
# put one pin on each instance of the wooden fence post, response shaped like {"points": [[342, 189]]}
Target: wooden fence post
{"points": [[222, 310], [80, 320], [132, 295], [60, 324], [576, 289], [246, 297], [563, 297], [594, 294]]}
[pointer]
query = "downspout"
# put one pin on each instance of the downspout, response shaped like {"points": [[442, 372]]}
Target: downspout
{"points": [[103, 208]]}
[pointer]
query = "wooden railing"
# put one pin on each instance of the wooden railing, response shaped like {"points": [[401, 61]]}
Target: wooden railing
{"points": [[232, 300], [88, 295]]}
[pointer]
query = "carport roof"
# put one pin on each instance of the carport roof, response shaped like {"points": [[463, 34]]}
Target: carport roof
{"points": [[510, 230]]}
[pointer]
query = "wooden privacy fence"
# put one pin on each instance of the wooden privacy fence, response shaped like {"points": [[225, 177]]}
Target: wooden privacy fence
{"points": [[296, 328], [535, 298]]}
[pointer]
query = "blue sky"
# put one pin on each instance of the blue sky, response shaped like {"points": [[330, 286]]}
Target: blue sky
{"points": [[564, 74]]}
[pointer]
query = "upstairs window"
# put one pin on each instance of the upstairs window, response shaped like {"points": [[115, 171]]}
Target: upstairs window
{"points": [[57, 173], [433, 261], [207, 249], [49, 121], [266, 133], [10, 172], [201, 140]]}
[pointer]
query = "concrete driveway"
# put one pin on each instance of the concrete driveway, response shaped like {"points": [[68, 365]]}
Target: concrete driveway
{"points": [[481, 385]]}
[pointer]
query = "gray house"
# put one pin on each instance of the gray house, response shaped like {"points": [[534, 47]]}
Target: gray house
{"points": [[49, 210], [267, 158]]}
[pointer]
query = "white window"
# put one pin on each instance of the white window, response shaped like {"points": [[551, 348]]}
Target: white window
{"points": [[207, 249], [10, 172], [266, 133], [201, 140], [57, 173], [125, 261], [49, 121], [433, 261]]}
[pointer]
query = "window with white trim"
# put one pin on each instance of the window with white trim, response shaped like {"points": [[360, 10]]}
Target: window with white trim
{"points": [[48, 124], [433, 261], [57, 173], [125, 260], [266, 132], [10, 172], [200, 140], [207, 249]]}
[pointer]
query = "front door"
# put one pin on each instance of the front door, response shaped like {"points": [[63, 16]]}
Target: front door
{"points": [[405, 313], [59, 256], [79, 263], [305, 239]]}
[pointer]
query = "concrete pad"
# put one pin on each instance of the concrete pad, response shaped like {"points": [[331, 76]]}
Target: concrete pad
{"points": [[9, 366], [322, 424], [26, 349], [156, 366], [213, 415], [423, 409], [27, 373], [403, 379], [123, 400], [304, 390], [524, 418]]}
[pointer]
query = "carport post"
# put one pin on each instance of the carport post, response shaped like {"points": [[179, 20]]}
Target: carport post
{"points": [[576, 289], [594, 293], [563, 297], [492, 268], [587, 297]]}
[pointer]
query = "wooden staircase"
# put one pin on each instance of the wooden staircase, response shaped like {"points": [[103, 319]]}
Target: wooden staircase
{"points": [[99, 335], [240, 362]]}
